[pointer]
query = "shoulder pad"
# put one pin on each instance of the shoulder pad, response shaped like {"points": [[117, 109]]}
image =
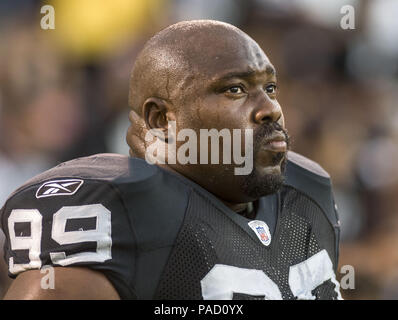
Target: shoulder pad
{"points": [[307, 164], [310, 178], [106, 166]]}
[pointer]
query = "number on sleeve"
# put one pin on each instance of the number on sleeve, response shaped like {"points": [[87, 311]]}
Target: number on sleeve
{"points": [[29, 239], [101, 234]]}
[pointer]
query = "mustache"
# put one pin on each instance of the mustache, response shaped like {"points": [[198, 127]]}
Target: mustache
{"points": [[267, 131]]}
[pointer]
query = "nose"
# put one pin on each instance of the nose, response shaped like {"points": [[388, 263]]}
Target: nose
{"points": [[266, 110]]}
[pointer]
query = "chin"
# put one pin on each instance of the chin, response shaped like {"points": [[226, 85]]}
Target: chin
{"points": [[264, 180], [269, 170]]}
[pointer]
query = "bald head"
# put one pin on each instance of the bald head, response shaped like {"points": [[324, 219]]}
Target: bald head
{"points": [[183, 53]]}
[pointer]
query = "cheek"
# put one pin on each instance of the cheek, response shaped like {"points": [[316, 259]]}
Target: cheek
{"points": [[214, 111], [282, 121], [226, 113]]}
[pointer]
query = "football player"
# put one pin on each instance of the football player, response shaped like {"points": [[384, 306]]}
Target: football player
{"points": [[115, 227]]}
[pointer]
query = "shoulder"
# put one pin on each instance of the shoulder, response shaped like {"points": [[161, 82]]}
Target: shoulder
{"points": [[309, 178], [71, 214], [105, 168], [100, 166], [93, 211], [305, 174], [81, 182], [307, 164]]}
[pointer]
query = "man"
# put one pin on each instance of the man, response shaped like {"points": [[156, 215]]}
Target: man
{"points": [[118, 227]]}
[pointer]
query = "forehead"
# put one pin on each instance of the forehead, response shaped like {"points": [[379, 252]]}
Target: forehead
{"points": [[231, 55]]}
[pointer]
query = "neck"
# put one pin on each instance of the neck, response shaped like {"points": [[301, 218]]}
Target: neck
{"points": [[237, 207]]}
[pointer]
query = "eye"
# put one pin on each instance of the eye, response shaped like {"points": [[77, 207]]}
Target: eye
{"points": [[235, 90], [271, 89]]}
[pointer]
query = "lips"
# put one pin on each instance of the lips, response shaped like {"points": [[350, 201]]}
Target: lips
{"points": [[275, 143]]}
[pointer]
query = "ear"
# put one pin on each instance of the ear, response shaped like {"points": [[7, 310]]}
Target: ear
{"points": [[135, 135], [157, 114]]}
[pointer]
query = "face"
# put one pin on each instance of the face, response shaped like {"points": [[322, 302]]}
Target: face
{"points": [[235, 87]]}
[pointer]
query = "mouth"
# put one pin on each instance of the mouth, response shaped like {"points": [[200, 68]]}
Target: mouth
{"points": [[276, 143]]}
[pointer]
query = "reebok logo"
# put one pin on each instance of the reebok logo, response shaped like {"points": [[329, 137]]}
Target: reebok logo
{"points": [[59, 188]]}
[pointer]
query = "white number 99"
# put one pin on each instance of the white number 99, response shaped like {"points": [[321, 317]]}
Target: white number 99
{"points": [[101, 234]]}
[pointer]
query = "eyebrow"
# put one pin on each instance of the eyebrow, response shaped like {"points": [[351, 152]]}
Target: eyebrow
{"points": [[245, 74]]}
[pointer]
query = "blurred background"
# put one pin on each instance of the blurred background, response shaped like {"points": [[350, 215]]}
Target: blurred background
{"points": [[63, 94]]}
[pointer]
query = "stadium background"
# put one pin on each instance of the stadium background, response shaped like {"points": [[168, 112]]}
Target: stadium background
{"points": [[63, 94]]}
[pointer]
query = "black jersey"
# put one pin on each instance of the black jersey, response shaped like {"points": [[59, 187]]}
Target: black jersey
{"points": [[158, 235]]}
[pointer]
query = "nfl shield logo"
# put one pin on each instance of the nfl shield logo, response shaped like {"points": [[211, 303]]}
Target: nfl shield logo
{"points": [[261, 233], [261, 230]]}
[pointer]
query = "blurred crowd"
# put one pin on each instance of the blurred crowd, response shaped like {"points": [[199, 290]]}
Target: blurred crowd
{"points": [[63, 94]]}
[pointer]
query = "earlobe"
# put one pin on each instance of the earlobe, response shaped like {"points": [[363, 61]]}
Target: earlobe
{"points": [[156, 114]]}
